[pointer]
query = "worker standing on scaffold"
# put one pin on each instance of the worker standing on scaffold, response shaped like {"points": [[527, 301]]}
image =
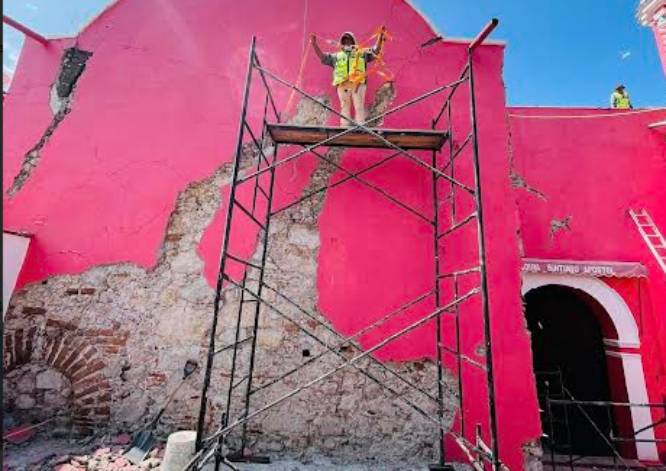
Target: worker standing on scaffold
{"points": [[350, 72]]}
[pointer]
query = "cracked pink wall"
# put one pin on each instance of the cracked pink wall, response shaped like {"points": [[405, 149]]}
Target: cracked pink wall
{"points": [[594, 170], [157, 108]]}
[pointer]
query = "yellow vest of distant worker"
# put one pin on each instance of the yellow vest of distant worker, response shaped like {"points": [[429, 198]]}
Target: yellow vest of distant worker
{"points": [[349, 66], [621, 101]]}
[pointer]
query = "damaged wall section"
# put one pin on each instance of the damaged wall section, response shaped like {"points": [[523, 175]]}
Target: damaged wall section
{"points": [[149, 322], [61, 97]]}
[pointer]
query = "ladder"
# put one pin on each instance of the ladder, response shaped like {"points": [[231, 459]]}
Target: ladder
{"points": [[651, 235]]}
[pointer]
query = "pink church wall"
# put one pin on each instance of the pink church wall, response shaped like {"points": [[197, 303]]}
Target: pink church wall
{"points": [[157, 108], [593, 170]]}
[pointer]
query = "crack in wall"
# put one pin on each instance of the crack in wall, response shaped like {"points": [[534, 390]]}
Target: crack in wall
{"points": [[557, 225], [517, 180], [72, 65]]}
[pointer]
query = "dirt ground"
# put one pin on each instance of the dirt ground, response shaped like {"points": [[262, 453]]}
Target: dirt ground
{"points": [[105, 452]]}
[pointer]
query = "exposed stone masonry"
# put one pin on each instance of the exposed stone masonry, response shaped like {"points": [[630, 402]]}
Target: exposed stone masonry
{"points": [[131, 331]]}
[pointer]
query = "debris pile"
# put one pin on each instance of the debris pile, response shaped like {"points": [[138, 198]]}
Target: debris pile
{"points": [[104, 455]]}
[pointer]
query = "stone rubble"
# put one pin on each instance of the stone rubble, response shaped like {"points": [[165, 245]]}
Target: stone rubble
{"points": [[70, 455]]}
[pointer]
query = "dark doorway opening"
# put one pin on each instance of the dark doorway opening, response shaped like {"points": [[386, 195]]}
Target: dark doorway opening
{"points": [[568, 350]]}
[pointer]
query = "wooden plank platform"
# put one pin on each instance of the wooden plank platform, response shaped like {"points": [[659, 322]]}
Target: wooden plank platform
{"points": [[404, 138]]}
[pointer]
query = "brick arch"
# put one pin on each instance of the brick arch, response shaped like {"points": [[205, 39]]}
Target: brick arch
{"points": [[73, 356]]}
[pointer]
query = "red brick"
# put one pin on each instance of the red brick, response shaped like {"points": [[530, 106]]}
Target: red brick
{"points": [[83, 421], [75, 367], [86, 412], [76, 355], [87, 382], [90, 353], [173, 237], [121, 341], [60, 324], [57, 344], [29, 341], [102, 332], [33, 311], [73, 352], [161, 377], [18, 347], [9, 351], [106, 397], [105, 410], [111, 349], [90, 369], [92, 389], [63, 353]]}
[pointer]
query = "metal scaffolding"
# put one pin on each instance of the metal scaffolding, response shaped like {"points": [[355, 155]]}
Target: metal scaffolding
{"points": [[256, 294]]}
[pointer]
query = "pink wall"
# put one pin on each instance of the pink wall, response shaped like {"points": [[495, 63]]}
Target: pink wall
{"points": [[593, 169], [157, 108]]}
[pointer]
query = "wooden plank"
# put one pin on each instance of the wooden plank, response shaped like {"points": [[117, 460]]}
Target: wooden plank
{"points": [[403, 138]]}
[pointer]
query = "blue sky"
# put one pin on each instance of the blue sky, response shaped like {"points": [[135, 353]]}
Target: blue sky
{"points": [[559, 52]]}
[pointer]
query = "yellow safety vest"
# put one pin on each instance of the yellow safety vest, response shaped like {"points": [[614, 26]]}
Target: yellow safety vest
{"points": [[621, 101], [349, 66]]}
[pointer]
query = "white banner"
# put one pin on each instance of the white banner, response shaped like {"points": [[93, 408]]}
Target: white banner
{"points": [[14, 248]]}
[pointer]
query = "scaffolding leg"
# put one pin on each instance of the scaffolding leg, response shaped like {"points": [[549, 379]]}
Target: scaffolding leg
{"points": [[490, 381], [242, 456], [218, 288], [441, 465]]}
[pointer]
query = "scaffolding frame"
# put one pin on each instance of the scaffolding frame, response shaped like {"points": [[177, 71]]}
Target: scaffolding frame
{"points": [[483, 453]]}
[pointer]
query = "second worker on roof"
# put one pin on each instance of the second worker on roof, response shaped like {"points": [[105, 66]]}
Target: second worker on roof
{"points": [[350, 72]]}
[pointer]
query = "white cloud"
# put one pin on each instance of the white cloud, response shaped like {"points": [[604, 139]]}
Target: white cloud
{"points": [[624, 55], [31, 6]]}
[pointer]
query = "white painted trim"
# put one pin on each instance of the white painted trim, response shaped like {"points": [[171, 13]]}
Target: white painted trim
{"points": [[616, 343], [14, 248], [627, 331], [641, 417]]}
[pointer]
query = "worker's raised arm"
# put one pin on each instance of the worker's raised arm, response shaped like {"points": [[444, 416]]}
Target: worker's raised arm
{"points": [[317, 49], [379, 45]]}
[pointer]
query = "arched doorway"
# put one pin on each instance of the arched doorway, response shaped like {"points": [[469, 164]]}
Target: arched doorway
{"points": [[568, 352], [621, 337]]}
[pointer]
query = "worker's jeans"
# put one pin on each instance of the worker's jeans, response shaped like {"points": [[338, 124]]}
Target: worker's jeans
{"points": [[348, 93]]}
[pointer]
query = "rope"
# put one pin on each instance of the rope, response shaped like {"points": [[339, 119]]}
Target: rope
{"points": [[299, 78]]}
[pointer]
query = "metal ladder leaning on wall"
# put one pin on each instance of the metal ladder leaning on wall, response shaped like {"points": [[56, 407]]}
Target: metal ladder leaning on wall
{"points": [[651, 235]]}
